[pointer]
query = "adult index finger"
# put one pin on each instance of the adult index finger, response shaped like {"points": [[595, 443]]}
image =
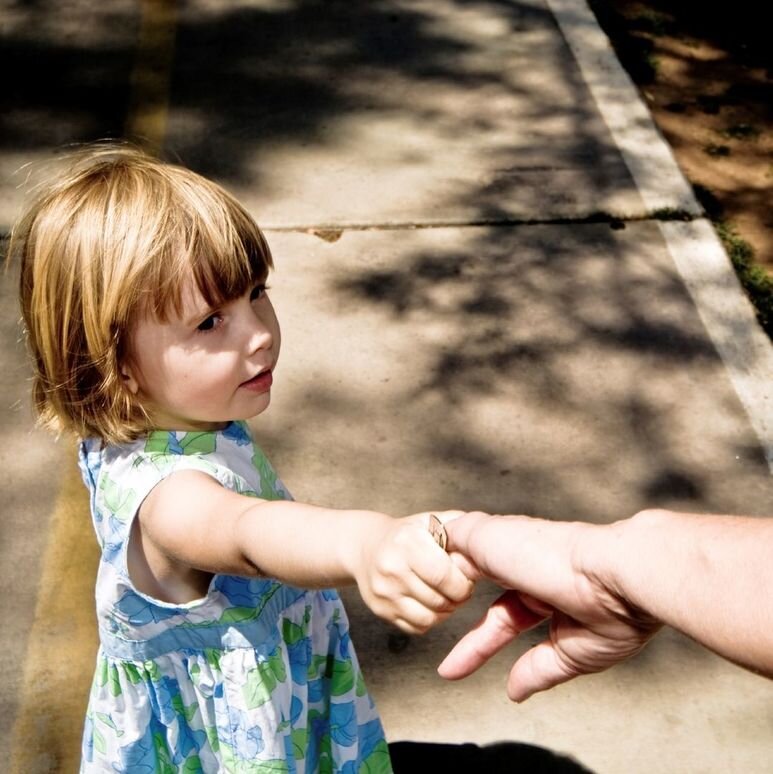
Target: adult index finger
{"points": [[502, 623]]}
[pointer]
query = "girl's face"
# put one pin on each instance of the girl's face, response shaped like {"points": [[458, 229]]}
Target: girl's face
{"points": [[205, 367]]}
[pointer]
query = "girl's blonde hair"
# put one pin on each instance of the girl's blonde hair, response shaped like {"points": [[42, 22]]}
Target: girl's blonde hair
{"points": [[116, 236]]}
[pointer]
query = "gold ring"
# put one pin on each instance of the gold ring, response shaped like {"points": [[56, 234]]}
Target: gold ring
{"points": [[438, 531]]}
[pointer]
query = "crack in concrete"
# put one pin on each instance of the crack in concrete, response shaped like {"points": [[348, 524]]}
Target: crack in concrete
{"points": [[331, 232]]}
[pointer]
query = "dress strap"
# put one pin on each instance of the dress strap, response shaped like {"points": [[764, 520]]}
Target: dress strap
{"points": [[90, 463]]}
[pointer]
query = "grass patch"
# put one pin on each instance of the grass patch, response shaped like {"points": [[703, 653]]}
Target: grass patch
{"points": [[671, 213], [652, 21], [757, 283], [709, 202], [718, 151], [709, 104], [652, 63], [741, 132]]}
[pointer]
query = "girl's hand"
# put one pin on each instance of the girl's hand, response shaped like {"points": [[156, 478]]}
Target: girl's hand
{"points": [[405, 577]]}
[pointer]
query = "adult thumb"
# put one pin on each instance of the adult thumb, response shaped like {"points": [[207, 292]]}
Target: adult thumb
{"points": [[539, 669]]}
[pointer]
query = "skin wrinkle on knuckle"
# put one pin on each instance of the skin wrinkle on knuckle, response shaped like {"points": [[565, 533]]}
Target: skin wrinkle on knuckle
{"points": [[381, 587], [463, 591], [434, 580], [405, 626], [568, 666], [502, 622], [383, 610], [479, 544], [390, 564], [404, 537], [417, 614]]}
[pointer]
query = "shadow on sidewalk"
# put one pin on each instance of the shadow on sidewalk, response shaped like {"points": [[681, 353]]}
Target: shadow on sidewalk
{"points": [[410, 757]]}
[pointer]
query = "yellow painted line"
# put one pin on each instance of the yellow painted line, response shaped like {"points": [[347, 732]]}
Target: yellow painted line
{"points": [[149, 103], [62, 642]]}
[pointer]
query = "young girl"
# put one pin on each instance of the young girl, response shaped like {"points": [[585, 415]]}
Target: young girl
{"points": [[143, 288]]}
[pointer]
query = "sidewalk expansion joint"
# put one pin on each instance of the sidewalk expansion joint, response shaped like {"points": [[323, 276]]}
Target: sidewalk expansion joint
{"points": [[331, 232]]}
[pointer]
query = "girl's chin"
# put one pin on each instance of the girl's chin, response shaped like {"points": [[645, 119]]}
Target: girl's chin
{"points": [[255, 406]]}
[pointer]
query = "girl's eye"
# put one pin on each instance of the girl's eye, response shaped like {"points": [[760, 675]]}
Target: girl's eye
{"points": [[258, 291], [209, 324]]}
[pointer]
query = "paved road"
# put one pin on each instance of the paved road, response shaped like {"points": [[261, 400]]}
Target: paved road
{"points": [[483, 307]]}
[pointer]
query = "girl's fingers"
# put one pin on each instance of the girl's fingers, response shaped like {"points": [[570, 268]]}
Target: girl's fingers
{"points": [[470, 571], [438, 571], [430, 598], [408, 627], [411, 616], [414, 582]]}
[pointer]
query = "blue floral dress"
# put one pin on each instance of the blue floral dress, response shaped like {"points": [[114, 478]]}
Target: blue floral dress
{"points": [[256, 676]]}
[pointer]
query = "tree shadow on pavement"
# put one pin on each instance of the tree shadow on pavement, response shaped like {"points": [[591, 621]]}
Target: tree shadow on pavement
{"points": [[581, 337], [591, 328], [248, 81], [521, 313]]}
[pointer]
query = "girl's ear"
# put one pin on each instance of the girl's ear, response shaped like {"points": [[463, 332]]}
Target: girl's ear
{"points": [[129, 380]]}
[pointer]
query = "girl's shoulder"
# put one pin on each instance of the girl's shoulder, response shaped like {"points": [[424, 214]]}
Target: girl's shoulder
{"points": [[120, 477], [229, 455]]}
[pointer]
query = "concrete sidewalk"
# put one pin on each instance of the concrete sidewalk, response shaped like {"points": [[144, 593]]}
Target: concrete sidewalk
{"points": [[482, 307]]}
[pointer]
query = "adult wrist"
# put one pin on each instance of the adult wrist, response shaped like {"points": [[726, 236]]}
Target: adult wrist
{"points": [[626, 553]]}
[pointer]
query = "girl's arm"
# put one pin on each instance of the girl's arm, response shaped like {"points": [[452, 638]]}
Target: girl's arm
{"points": [[192, 521]]}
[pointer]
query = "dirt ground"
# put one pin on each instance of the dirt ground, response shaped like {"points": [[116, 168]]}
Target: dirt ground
{"points": [[707, 75]]}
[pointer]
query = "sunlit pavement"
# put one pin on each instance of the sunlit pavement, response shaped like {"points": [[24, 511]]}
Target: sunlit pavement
{"points": [[482, 307]]}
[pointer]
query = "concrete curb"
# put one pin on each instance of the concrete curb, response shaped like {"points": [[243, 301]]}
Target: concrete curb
{"points": [[694, 247], [647, 155], [729, 318]]}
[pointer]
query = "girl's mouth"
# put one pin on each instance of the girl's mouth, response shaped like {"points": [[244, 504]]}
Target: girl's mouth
{"points": [[260, 383]]}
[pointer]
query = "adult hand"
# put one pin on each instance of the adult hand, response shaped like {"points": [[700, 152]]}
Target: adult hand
{"points": [[548, 567]]}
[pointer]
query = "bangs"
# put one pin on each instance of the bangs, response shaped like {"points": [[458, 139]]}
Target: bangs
{"points": [[210, 239]]}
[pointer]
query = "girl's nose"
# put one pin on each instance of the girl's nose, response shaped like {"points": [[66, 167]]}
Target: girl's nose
{"points": [[259, 330]]}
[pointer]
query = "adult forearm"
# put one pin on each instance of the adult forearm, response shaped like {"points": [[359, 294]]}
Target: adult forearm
{"points": [[711, 577]]}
